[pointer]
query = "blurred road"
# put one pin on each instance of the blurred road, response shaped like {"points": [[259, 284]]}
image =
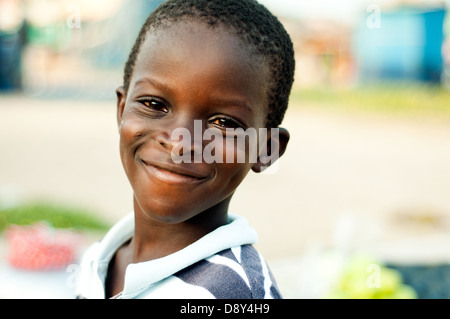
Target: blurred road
{"points": [[348, 181]]}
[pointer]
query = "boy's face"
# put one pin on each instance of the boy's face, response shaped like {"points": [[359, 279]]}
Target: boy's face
{"points": [[182, 74]]}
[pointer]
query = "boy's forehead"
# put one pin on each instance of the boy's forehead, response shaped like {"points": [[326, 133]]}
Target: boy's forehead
{"points": [[190, 49], [191, 35]]}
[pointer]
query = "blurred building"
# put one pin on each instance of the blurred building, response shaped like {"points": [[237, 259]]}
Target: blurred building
{"points": [[11, 44], [402, 40], [404, 44], [58, 48], [322, 52]]}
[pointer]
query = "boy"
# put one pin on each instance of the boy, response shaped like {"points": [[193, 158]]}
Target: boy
{"points": [[222, 67]]}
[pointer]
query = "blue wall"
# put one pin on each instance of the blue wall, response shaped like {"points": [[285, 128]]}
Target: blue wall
{"points": [[406, 46]]}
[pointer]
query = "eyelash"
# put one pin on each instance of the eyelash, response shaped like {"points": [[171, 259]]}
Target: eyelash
{"points": [[154, 105], [229, 122]]}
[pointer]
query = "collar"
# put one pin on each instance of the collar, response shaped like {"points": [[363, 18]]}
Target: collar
{"points": [[141, 276]]}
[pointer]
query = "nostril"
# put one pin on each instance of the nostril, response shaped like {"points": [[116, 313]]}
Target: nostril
{"points": [[165, 140]]}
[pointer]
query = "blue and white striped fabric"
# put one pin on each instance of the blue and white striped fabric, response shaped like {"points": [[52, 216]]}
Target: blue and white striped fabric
{"points": [[237, 273], [221, 265]]}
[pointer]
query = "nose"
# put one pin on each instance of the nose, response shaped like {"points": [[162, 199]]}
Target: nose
{"points": [[183, 139], [164, 138]]}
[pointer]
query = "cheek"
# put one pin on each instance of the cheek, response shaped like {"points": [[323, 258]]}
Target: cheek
{"points": [[230, 158], [234, 158], [131, 129], [242, 149], [231, 176]]}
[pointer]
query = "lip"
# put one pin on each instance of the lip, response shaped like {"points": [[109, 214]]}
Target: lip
{"points": [[172, 174]]}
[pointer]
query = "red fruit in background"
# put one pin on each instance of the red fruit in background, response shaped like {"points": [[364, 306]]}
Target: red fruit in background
{"points": [[41, 247]]}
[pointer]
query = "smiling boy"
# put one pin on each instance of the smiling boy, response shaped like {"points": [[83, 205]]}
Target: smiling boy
{"points": [[228, 67]]}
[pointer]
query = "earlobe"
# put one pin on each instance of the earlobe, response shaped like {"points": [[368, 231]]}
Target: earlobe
{"points": [[121, 99], [274, 148]]}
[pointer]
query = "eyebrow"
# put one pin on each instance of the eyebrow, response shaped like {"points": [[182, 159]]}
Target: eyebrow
{"points": [[218, 101], [152, 82]]}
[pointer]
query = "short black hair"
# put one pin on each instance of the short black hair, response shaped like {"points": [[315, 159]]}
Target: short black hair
{"points": [[253, 23]]}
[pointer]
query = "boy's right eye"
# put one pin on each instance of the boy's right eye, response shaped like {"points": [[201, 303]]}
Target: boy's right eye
{"points": [[154, 105]]}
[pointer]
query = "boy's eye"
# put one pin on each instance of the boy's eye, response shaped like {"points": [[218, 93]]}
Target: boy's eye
{"points": [[223, 122], [155, 105]]}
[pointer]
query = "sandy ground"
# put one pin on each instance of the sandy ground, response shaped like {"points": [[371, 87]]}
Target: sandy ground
{"points": [[347, 181]]}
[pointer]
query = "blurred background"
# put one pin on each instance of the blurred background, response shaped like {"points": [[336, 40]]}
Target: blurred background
{"points": [[359, 205]]}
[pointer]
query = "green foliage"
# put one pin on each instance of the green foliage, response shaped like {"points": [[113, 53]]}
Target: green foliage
{"points": [[59, 216]]}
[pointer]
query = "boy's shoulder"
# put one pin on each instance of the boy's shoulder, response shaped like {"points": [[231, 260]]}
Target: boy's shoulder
{"points": [[235, 273]]}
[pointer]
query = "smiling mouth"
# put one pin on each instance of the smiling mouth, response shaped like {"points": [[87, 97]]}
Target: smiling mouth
{"points": [[172, 174]]}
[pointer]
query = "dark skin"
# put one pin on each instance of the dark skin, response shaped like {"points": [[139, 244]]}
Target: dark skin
{"points": [[184, 73]]}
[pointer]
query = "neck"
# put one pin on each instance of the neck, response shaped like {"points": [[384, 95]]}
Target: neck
{"points": [[155, 239]]}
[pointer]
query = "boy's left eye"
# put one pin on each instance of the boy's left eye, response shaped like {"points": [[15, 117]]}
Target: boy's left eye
{"points": [[224, 122]]}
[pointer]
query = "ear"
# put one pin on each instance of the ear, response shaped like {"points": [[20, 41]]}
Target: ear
{"points": [[274, 147], [121, 99]]}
